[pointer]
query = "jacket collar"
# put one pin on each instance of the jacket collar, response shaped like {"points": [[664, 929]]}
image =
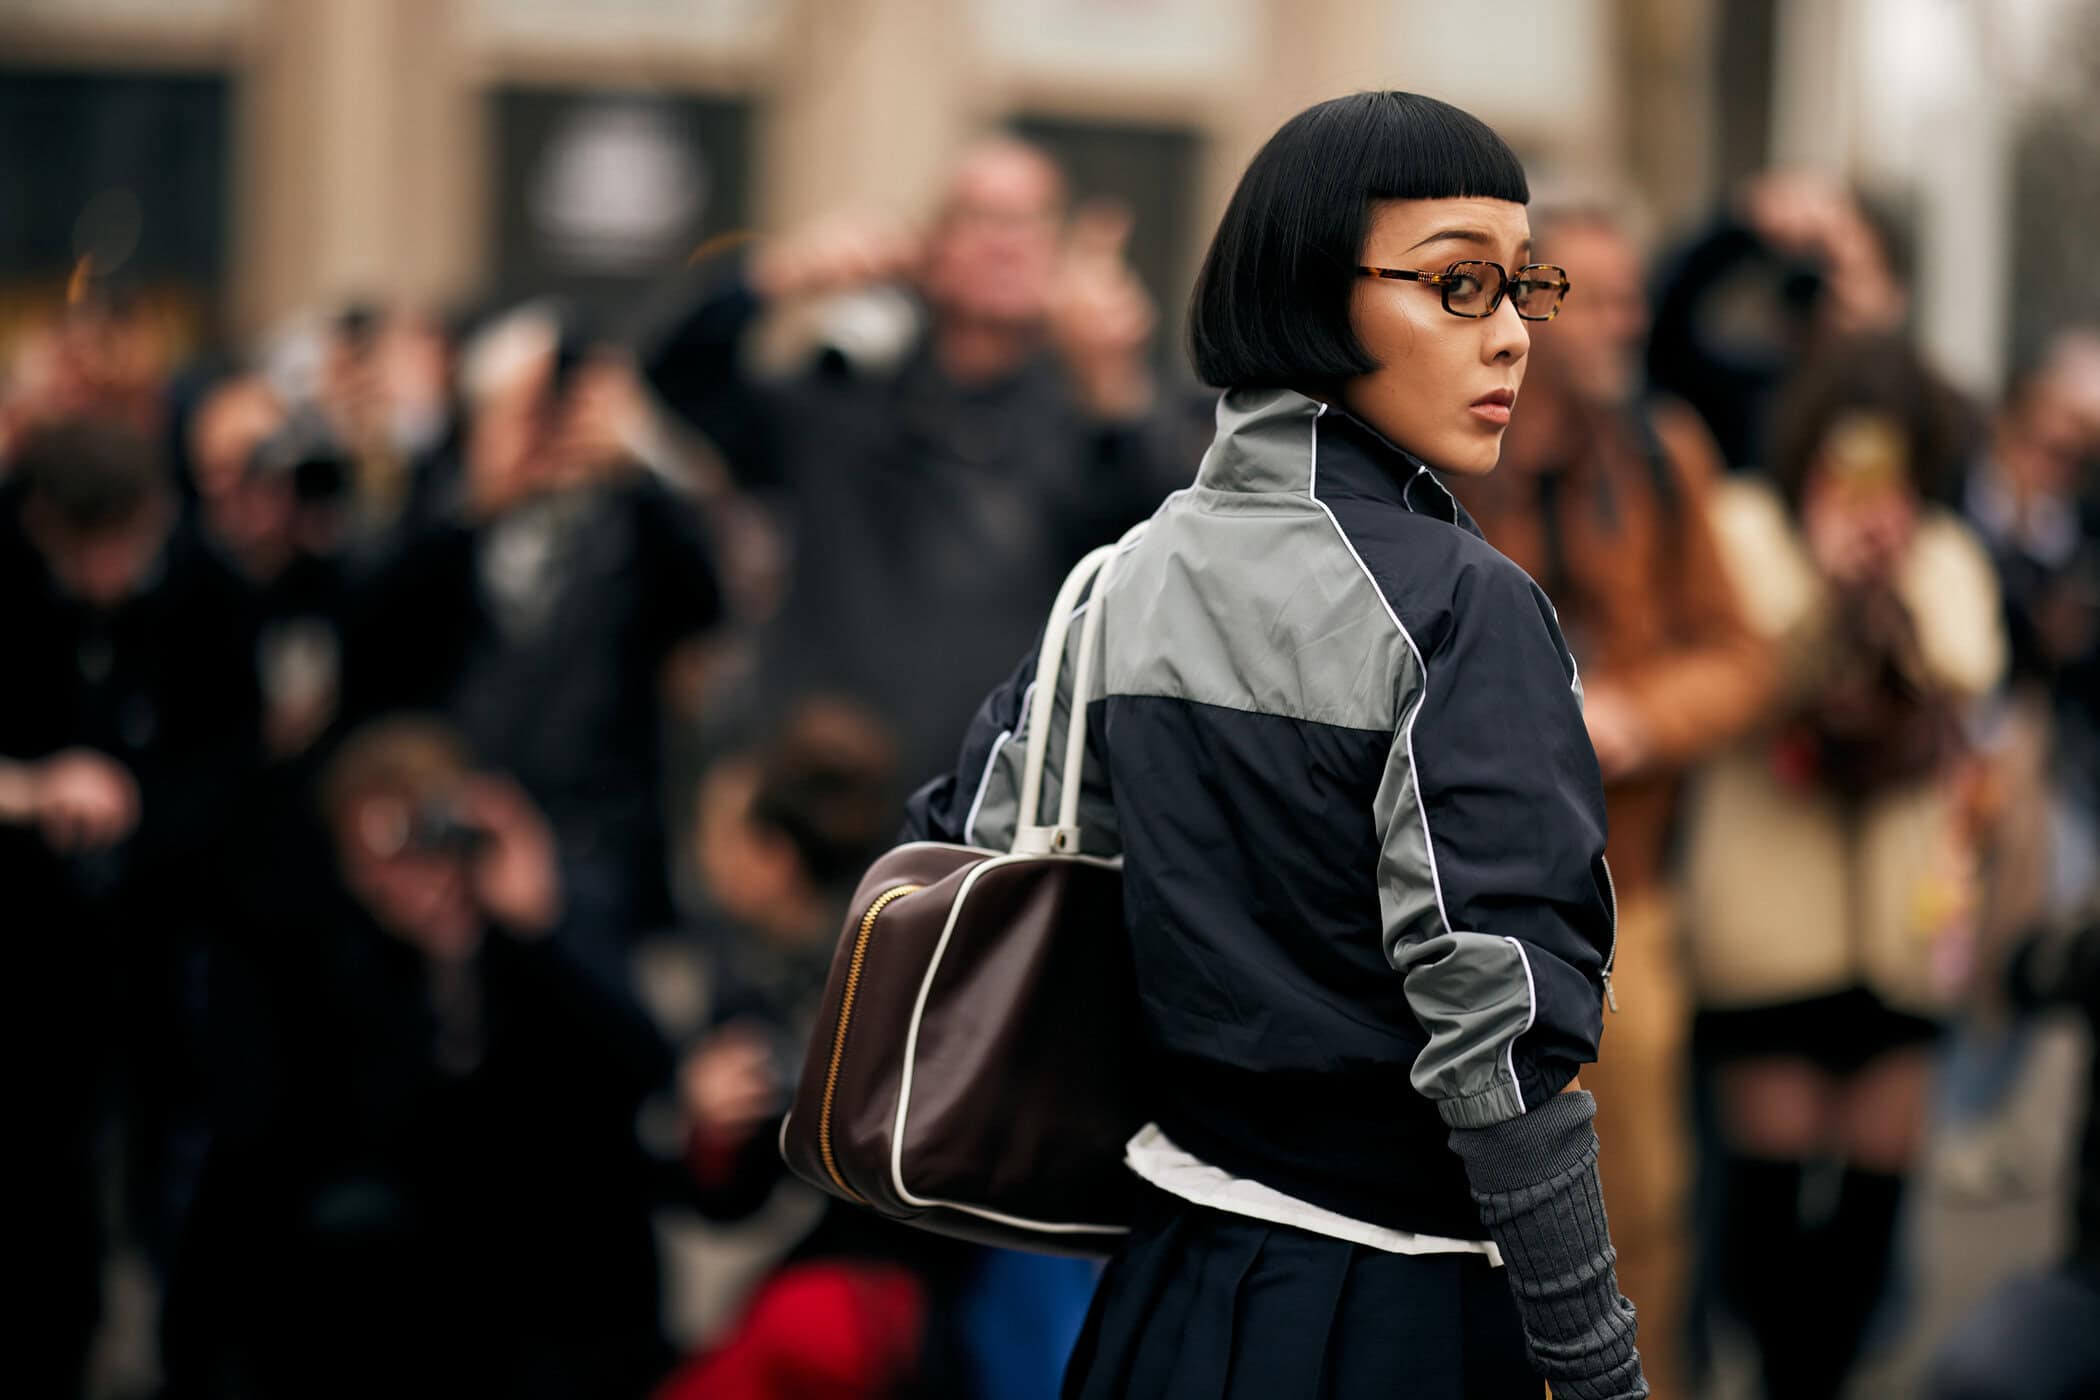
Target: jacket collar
{"points": [[1280, 441]]}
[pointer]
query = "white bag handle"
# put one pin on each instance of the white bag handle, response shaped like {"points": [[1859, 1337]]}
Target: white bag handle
{"points": [[1030, 837]]}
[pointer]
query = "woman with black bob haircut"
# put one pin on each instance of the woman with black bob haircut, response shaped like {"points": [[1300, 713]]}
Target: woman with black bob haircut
{"points": [[1338, 742]]}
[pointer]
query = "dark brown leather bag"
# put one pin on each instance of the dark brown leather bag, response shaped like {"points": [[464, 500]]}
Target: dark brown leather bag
{"points": [[973, 1070]]}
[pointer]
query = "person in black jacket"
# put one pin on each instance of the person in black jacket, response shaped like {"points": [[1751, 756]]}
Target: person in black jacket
{"points": [[542, 611], [129, 725], [425, 1176], [1337, 740], [931, 507]]}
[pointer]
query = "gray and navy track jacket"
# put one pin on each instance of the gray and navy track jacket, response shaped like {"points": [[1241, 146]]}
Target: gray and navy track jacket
{"points": [[1337, 739]]}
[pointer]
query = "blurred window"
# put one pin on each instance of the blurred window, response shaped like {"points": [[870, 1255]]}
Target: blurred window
{"points": [[129, 167], [598, 194]]}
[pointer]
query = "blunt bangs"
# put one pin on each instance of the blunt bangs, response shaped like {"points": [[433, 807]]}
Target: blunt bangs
{"points": [[1271, 304]]}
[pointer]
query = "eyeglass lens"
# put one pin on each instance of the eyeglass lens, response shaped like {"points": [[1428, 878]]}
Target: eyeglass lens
{"points": [[1473, 288], [1537, 290]]}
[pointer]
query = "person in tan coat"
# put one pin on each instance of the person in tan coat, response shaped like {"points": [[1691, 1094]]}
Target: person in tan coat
{"points": [[1603, 498], [1830, 882]]}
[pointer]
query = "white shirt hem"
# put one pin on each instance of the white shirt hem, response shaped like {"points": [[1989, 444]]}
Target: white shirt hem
{"points": [[1155, 1157]]}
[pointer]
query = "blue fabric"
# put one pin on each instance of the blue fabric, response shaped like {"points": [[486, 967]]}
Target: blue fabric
{"points": [[1018, 1320], [2037, 1338]]}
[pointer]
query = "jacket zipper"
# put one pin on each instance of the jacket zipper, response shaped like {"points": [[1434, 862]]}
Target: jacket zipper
{"points": [[1611, 954], [838, 1039]]}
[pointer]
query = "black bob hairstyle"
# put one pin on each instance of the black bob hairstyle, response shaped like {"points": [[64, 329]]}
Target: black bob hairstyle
{"points": [[1271, 305]]}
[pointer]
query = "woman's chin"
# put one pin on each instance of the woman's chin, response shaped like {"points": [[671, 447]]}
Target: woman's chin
{"points": [[1474, 458]]}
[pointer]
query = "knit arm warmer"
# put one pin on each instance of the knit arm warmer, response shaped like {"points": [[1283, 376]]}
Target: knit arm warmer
{"points": [[1535, 1180]]}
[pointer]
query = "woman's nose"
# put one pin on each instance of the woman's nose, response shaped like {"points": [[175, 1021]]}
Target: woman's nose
{"points": [[1508, 337]]}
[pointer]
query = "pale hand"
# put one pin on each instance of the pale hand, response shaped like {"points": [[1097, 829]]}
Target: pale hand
{"points": [[1101, 318], [603, 412], [1616, 733], [728, 1084], [517, 880], [78, 799]]}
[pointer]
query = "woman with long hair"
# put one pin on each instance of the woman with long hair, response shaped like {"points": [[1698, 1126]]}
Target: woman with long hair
{"points": [[1820, 993]]}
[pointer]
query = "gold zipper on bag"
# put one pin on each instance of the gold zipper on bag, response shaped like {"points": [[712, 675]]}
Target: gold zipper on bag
{"points": [[838, 1039]]}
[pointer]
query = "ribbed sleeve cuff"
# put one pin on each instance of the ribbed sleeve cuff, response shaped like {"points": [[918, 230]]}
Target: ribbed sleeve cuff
{"points": [[1535, 1181], [1531, 1147]]}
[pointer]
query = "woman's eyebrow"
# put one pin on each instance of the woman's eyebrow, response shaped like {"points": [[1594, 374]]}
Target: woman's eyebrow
{"points": [[1471, 235], [1454, 235]]}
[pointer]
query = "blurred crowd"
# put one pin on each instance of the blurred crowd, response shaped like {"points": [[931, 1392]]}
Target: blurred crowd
{"points": [[437, 751]]}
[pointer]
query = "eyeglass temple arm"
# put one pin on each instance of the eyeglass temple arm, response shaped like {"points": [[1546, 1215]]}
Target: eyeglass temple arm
{"points": [[1401, 274]]}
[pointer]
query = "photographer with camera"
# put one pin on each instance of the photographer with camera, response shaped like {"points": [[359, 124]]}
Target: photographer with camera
{"points": [[1796, 260], [1821, 997], [933, 503], [425, 1161], [271, 490], [542, 611]]}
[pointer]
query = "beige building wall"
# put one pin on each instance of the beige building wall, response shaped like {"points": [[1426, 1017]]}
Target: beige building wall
{"points": [[359, 169], [363, 159]]}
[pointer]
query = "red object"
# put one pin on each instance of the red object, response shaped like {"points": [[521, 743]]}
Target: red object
{"points": [[1794, 758], [824, 1331], [712, 1157]]}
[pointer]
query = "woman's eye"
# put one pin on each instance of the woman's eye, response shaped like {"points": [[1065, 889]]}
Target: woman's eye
{"points": [[1464, 284]]}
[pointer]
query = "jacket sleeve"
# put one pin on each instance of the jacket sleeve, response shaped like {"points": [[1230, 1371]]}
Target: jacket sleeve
{"points": [[1493, 892], [952, 807], [1717, 678], [681, 587], [691, 358]]}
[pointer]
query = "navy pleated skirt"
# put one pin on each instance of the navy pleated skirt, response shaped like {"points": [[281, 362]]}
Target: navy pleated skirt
{"points": [[1201, 1305]]}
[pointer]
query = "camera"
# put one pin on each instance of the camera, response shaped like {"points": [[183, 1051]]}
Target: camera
{"points": [[304, 452], [439, 826], [391, 828]]}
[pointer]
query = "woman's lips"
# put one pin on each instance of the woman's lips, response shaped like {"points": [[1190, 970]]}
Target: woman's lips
{"points": [[1494, 406]]}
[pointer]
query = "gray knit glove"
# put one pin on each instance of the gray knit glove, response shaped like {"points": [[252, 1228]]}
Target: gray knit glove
{"points": [[1535, 1179]]}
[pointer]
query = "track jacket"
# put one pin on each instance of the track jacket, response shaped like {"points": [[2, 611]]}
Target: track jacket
{"points": [[1337, 740]]}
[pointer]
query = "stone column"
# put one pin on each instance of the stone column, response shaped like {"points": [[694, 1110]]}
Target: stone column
{"points": [[866, 108], [360, 160]]}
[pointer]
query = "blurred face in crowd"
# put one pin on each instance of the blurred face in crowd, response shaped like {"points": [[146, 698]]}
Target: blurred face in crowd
{"points": [[2042, 442], [508, 437], [994, 249], [105, 564], [1812, 217], [2078, 375], [750, 871], [417, 892], [1859, 503], [229, 426], [1595, 343], [87, 361], [418, 375], [1445, 385]]}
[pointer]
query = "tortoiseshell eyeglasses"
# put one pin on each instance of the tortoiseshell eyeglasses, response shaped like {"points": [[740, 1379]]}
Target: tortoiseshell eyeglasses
{"points": [[1474, 288]]}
